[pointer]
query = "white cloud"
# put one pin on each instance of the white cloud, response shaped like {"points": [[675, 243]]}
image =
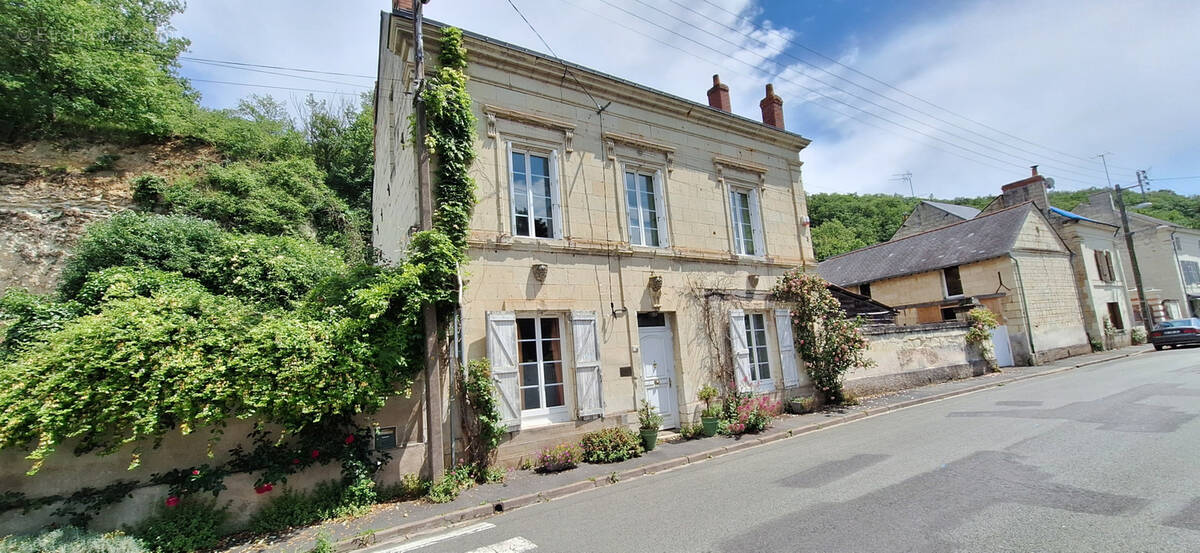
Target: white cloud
{"points": [[1083, 77]]}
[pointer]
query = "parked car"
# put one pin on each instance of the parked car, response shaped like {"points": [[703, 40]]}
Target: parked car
{"points": [[1180, 332]]}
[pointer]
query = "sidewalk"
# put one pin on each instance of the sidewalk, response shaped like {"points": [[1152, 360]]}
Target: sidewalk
{"points": [[389, 523]]}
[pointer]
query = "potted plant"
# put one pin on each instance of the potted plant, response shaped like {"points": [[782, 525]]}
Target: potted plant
{"points": [[711, 415], [802, 405], [649, 421]]}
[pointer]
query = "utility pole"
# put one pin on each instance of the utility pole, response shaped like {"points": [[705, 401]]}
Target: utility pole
{"points": [[433, 376], [1137, 272], [906, 177]]}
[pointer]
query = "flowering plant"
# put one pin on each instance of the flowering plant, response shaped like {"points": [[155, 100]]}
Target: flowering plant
{"points": [[746, 413], [829, 342], [558, 458], [982, 321]]}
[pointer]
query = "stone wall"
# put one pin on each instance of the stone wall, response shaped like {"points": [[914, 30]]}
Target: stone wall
{"points": [[915, 355]]}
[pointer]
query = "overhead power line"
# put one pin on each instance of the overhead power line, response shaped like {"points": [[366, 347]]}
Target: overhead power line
{"points": [[275, 87], [814, 91], [900, 90], [243, 67], [1040, 157], [264, 66]]}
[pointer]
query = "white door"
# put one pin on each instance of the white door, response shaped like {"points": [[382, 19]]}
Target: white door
{"points": [[1001, 346], [658, 371]]}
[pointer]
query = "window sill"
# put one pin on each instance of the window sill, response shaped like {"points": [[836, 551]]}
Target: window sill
{"points": [[545, 417]]}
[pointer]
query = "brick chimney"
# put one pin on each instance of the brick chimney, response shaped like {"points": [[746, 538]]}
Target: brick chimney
{"points": [[406, 5], [718, 95], [1035, 189], [772, 108]]}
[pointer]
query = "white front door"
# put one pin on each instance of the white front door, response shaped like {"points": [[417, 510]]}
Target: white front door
{"points": [[658, 369], [1001, 347]]}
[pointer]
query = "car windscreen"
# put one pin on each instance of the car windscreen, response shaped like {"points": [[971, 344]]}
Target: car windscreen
{"points": [[1176, 324]]}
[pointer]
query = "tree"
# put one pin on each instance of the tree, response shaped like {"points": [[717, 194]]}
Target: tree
{"points": [[100, 66], [833, 238]]}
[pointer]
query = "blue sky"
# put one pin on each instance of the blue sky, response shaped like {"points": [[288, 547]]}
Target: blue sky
{"points": [[975, 90]]}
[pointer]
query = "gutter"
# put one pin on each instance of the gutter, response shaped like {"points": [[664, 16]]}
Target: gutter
{"points": [[1025, 310]]}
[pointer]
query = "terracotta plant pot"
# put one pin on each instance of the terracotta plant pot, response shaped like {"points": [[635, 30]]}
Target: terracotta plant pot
{"points": [[649, 438], [709, 426]]}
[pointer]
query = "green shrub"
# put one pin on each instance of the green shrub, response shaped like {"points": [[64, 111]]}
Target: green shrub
{"points": [[611, 445], [192, 525], [447, 488], [331, 499], [247, 133], [72, 540], [270, 269], [104, 162], [559, 458], [30, 319], [1137, 336], [691, 431], [410, 486]]}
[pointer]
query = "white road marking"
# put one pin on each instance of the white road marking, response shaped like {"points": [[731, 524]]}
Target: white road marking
{"points": [[423, 542], [514, 545]]}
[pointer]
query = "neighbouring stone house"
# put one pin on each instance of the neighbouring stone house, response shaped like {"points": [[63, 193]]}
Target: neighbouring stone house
{"points": [[929, 215], [1097, 259], [1009, 260], [618, 252], [1168, 255]]}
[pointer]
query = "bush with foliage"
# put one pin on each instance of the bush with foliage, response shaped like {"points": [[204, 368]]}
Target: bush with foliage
{"points": [[31, 319], [411, 486], [72, 540], [1137, 336], [746, 413], [690, 431], [191, 525], [559, 458], [981, 321], [484, 429], [829, 342], [462, 477], [330, 499], [649, 417], [611, 445]]}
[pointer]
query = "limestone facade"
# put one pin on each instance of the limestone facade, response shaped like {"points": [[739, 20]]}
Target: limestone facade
{"points": [[653, 223]]}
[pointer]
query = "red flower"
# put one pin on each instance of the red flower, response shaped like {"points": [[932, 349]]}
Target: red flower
{"points": [[263, 488], [172, 501], [316, 453], [195, 472], [295, 461], [350, 439]]}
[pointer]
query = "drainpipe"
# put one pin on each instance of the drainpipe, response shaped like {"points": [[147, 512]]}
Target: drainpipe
{"points": [[1025, 310]]}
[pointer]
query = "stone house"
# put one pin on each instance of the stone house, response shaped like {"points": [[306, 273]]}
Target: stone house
{"points": [[1009, 260], [929, 215], [1097, 259], [621, 249], [1168, 256]]}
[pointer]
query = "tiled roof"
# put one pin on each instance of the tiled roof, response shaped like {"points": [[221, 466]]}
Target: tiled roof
{"points": [[960, 211], [984, 237]]}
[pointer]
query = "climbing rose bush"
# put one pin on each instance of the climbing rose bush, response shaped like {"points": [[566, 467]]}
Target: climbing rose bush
{"points": [[828, 341]]}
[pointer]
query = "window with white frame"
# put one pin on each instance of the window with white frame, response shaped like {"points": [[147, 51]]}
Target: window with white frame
{"points": [[645, 207], [535, 208], [744, 212], [539, 353], [1191, 272], [756, 340]]}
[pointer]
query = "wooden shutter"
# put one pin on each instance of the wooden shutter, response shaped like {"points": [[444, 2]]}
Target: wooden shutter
{"points": [[787, 348], [1112, 275], [502, 352], [1102, 266], [585, 330], [740, 350], [760, 241], [660, 198], [559, 228]]}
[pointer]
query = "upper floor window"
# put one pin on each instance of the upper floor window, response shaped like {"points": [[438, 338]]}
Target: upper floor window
{"points": [[953, 282], [535, 205], [747, 231], [1191, 272], [645, 207], [1104, 265]]}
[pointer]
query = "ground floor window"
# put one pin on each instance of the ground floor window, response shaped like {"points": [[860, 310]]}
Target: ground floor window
{"points": [[756, 340], [1114, 315], [539, 344]]}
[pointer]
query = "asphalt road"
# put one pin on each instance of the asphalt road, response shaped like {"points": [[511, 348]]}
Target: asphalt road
{"points": [[1103, 458]]}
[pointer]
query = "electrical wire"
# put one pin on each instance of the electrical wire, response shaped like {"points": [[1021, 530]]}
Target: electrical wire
{"points": [[556, 58], [749, 36], [902, 91], [251, 69], [276, 87]]}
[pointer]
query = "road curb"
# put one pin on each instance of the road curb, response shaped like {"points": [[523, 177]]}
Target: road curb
{"points": [[745, 442]]}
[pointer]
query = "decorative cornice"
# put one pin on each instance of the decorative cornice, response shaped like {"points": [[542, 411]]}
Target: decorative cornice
{"points": [[749, 167], [612, 138], [493, 112]]}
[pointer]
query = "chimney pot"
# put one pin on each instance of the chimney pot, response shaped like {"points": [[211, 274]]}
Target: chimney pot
{"points": [[406, 5], [772, 108], [718, 95], [1034, 167]]}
